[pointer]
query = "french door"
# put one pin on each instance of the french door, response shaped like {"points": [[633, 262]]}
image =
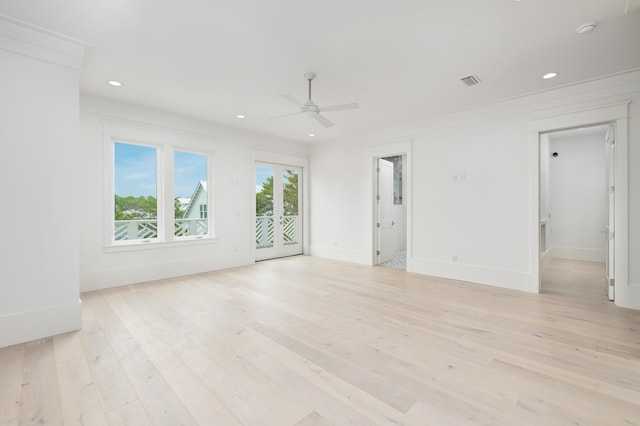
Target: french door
{"points": [[278, 210]]}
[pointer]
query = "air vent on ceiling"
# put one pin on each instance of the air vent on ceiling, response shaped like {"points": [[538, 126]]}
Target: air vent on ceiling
{"points": [[470, 80]]}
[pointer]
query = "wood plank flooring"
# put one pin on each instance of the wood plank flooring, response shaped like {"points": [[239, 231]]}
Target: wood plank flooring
{"points": [[309, 341]]}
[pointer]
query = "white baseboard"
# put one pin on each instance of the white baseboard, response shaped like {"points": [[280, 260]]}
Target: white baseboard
{"points": [[337, 253], [98, 280], [589, 255], [23, 327], [503, 278]]}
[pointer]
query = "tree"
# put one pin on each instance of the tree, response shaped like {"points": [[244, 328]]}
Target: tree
{"points": [[177, 211], [291, 194], [264, 198], [130, 207]]}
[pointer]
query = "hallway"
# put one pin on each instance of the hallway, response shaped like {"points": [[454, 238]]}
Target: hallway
{"points": [[577, 279]]}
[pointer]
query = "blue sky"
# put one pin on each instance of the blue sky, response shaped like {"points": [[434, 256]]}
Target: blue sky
{"points": [[135, 171], [188, 170], [262, 173]]}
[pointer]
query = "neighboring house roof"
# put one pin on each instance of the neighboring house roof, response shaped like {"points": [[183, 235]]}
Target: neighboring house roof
{"points": [[184, 202], [201, 186]]}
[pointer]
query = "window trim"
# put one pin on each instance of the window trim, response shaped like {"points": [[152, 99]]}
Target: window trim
{"points": [[165, 147], [210, 233]]}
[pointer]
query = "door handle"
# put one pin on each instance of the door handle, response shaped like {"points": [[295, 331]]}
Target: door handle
{"points": [[392, 223]]}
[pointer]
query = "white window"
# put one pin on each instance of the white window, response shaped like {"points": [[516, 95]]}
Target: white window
{"points": [[190, 194], [157, 193], [135, 172]]}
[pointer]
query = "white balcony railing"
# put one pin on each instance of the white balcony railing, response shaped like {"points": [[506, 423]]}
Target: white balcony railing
{"points": [[265, 231], [142, 229]]}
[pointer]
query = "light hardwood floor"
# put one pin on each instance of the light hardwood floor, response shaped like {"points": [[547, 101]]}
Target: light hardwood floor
{"points": [[307, 341]]}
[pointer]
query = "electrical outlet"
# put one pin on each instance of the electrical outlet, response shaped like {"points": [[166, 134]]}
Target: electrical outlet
{"points": [[454, 258]]}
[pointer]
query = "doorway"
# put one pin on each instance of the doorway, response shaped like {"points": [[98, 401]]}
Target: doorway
{"points": [[391, 211], [278, 201], [616, 114], [577, 171]]}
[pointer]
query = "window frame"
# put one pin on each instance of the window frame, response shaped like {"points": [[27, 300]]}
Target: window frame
{"points": [[159, 195], [165, 148], [209, 161]]}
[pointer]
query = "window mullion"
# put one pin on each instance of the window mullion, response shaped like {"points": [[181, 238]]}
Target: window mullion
{"points": [[165, 201]]}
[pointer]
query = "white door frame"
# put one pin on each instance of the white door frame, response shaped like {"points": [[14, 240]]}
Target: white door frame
{"points": [[381, 151], [290, 160], [384, 198], [617, 114], [279, 247], [610, 252]]}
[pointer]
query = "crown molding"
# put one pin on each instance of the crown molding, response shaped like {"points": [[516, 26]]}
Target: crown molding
{"points": [[24, 39]]}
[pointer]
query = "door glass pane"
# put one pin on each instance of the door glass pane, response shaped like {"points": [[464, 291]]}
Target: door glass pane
{"points": [[190, 194], [135, 195], [291, 218], [264, 207]]}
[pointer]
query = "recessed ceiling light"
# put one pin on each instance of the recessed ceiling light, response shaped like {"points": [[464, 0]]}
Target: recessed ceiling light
{"points": [[549, 75], [311, 135], [240, 116], [586, 28], [115, 83]]}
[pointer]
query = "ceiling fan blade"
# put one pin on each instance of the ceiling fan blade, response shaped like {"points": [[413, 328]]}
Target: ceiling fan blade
{"points": [[292, 99], [323, 120], [353, 105], [285, 115]]}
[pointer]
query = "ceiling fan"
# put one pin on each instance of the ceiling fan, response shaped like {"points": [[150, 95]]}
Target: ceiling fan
{"points": [[311, 109]]}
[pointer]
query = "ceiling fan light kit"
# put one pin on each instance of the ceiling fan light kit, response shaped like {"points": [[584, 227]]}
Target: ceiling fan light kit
{"points": [[311, 109]]}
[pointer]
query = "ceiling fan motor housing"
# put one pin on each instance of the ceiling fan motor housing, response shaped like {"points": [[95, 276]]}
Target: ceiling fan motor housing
{"points": [[309, 106]]}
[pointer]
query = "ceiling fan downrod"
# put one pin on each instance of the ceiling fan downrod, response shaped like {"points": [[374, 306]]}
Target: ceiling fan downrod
{"points": [[310, 76]]}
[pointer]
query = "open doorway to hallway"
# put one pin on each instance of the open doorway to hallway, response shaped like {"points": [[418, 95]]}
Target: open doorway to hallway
{"points": [[578, 279], [576, 211], [391, 212]]}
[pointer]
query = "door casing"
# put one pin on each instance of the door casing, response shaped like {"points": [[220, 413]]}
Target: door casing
{"points": [[617, 114], [390, 150], [280, 248], [277, 158]]}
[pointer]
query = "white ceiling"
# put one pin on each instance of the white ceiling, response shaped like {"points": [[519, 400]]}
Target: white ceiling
{"points": [[401, 60]]}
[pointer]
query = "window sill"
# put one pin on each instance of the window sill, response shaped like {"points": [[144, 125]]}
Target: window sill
{"points": [[154, 245]]}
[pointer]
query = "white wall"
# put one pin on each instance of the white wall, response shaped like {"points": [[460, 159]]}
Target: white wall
{"points": [[233, 189], [38, 184], [578, 196], [341, 201], [473, 188]]}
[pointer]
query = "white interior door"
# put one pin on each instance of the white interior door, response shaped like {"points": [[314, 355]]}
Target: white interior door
{"points": [[385, 224], [610, 228], [278, 210]]}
